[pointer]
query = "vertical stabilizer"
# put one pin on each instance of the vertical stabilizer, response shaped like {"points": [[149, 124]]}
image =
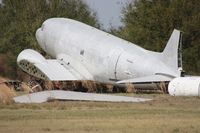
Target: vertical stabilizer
{"points": [[172, 55]]}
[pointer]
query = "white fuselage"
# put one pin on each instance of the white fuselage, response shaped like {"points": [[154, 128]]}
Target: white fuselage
{"points": [[105, 56]]}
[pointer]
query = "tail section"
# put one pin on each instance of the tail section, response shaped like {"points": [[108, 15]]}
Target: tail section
{"points": [[172, 54]]}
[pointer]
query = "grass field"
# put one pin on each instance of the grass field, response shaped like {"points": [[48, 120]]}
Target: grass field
{"points": [[163, 114]]}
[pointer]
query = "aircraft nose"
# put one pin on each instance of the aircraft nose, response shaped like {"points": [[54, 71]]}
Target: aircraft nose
{"points": [[40, 38]]}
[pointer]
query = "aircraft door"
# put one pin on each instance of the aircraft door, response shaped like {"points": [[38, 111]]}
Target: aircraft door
{"points": [[114, 56], [126, 66]]}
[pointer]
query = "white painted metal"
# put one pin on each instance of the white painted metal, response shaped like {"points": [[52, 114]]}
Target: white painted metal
{"points": [[170, 52], [74, 67], [31, 55], [113, 56], [154, 78], [96, 55], [35, 64], [185, 86], [56, 71], [44, 96]]}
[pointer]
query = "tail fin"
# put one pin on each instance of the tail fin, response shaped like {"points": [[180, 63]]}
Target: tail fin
{"points": [[172, 54]]}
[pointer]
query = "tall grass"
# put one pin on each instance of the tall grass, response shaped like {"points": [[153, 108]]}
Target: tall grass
{"points": [[89, 85], [6, 94], [130, 88]]}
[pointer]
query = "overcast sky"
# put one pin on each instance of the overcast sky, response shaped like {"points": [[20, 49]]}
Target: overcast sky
{"points": [[108, 11]]}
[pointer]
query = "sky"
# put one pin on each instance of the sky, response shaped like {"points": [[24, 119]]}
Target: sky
{"points": [[108, 11]]}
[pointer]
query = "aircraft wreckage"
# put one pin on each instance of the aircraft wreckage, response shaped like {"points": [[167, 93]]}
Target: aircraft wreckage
{"points": [[82, 52]]}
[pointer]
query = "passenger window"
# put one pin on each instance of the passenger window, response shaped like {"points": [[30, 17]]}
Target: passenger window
{"points": [[82, 52]]}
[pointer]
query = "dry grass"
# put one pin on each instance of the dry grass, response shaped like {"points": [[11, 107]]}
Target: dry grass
{"points": [[130, 88], [3, 79], [90, 85], [6, 94], [25, 87], [164, 114]]}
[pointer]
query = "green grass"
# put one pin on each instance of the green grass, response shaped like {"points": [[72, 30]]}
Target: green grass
{"points": [[163, 114]]}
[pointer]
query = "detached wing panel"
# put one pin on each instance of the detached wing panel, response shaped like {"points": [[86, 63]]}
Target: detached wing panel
{"points": [[36, 65], [44, 96]]}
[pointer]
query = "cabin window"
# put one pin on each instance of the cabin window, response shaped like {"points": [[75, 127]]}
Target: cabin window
{"points": [[130, 61], [82, 52]]}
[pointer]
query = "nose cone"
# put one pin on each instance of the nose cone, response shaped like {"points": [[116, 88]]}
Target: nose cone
{"points": [[40, 38]]}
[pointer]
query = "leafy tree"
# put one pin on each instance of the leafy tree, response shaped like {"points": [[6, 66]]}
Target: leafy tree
{"points": [[149, 24], [19, 20]]}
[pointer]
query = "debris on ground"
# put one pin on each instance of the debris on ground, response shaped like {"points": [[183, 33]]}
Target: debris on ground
{"points": [[45, 96]]}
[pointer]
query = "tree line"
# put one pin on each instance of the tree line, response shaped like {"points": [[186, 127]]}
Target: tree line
{"points": [[19, 20], [148, 23]]}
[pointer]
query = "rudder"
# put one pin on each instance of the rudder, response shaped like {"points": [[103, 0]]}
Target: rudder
{"points": [[172, 55]]}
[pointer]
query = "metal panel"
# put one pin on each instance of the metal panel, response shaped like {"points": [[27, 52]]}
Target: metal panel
{"points": [[44, 96], [114, 56], [184, 86]]}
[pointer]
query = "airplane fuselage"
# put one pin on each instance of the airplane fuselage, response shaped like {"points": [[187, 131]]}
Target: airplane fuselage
{"points": [[106, 57]]}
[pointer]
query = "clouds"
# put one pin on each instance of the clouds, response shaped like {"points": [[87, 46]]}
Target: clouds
{"points": [[108, 11]]}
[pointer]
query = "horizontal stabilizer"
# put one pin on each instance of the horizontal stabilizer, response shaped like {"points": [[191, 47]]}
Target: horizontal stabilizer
{"points": [[147, 79], [45, 96]]}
